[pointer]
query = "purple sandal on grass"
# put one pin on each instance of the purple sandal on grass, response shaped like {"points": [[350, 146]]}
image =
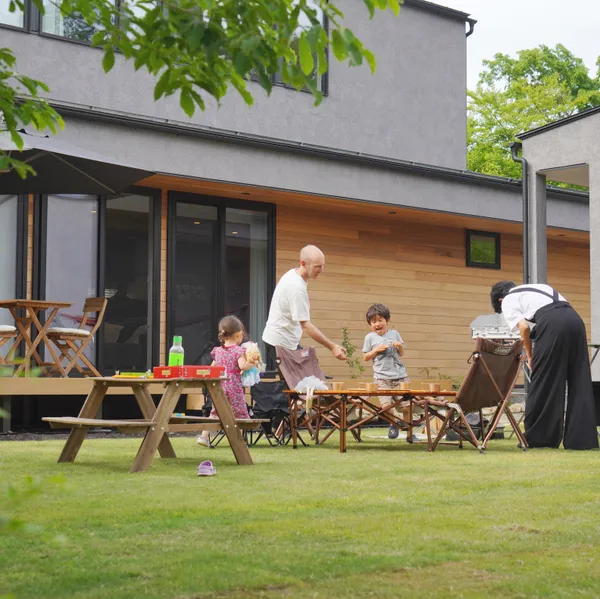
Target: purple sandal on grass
{"points": [[206, 469]]}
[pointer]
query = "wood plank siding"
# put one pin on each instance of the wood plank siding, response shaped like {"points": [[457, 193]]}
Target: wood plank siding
{"points": [[419, 271], [412, 260]]}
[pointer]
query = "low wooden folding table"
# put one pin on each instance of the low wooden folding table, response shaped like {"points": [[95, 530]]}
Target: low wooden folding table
{"points": [[344, 401], [158, 420]]}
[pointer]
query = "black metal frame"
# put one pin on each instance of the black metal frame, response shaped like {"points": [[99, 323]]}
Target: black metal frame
{"points": [[219, 283], [39, 259], [21, 256], [472, 263], [153, 268]]}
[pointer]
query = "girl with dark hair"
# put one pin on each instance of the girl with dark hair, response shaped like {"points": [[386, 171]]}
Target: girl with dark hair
{"points": [[233, 358]]}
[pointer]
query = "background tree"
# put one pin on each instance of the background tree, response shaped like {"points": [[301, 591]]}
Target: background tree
{"points": [[514, 95], [196, 48]]}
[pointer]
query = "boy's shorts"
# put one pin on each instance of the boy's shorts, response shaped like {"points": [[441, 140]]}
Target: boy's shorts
{"points": [[389, 384]]}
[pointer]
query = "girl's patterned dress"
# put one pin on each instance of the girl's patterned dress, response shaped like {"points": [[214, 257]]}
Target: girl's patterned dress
{"points": [[228, 357]]}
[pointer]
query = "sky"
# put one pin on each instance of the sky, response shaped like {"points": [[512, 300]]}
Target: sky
{"points": [[510, 25]]}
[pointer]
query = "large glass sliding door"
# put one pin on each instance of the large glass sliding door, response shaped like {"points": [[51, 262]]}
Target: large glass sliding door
{"points": [[8, 255], [220, 262], [71, 256], [193, 278], [128, 283]]}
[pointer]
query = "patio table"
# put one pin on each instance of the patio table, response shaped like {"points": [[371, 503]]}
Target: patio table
{"points": [[31, 321], [342, 402], [157, 421]]}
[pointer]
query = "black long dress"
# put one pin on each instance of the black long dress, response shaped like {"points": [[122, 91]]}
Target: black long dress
{"points": [[560, 358]]}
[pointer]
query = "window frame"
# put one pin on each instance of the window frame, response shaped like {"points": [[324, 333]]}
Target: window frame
{"points": [[221, 204], [154, 217], [497, 265]]}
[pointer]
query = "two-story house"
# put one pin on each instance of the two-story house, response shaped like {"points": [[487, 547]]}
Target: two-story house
{"points": [[375, 176]]}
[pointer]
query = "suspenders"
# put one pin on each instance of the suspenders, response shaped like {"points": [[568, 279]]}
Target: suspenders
{"points": [[553, 297]]}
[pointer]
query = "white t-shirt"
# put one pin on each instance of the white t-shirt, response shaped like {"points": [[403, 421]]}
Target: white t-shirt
{"points": [[289, 307], [524, 305]]}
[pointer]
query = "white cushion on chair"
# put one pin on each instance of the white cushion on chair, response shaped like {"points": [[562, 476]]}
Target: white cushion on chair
{"points": [[67, 331], [6, 328]]}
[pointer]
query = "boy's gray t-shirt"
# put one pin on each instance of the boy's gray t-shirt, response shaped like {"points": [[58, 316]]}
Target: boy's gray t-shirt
{"points": [[386, 365]]}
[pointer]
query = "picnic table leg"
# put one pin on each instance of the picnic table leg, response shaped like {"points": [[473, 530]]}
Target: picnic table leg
{"points": [[233, 432], [157, 431], [343, 424], [148, 409], [89, 410]]}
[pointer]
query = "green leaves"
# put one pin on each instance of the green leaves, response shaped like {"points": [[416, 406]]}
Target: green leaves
{"points": [[21, 105], [513, 95], [196, 48]]}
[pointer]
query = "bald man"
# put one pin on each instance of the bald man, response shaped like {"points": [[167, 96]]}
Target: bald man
{"points": [[289, 315]]}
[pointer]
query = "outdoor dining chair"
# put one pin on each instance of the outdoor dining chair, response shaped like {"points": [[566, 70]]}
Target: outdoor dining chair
{"points": [[489, 383], [7, 333], [72, 342]]}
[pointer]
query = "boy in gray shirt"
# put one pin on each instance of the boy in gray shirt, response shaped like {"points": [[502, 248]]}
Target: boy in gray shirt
{"points": [[385, 348]]}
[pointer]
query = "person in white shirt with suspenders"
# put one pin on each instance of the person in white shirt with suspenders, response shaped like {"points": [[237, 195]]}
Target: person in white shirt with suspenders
{"points": [[559, 358]]}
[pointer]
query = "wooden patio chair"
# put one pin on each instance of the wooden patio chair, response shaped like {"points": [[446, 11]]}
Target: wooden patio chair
{"points": [[7, 333], [489, 383], [72, 342]]}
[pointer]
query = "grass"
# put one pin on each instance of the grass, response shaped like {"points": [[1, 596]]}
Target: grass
{"points": [[383, 520]]}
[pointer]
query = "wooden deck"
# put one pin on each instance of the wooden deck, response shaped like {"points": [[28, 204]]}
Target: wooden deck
{"points": [[60, 386]]}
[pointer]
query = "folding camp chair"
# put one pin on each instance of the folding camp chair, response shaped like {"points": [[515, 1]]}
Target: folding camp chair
{"points": [[488, 384], [295, 365], [270, 402], [7, 333], [73, 342]]}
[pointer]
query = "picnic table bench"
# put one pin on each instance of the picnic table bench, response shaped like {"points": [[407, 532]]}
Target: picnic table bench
{"points": [[157, 421]]}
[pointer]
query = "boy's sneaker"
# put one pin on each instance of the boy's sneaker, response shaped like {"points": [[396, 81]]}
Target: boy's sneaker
{"points": [[414, 439], [393, 432]]}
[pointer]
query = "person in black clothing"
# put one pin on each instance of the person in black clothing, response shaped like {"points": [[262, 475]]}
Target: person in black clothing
{"points": [[559, 358]]}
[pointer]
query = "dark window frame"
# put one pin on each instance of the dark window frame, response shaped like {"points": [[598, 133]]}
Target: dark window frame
{"points": [[497, 265], [40, 270], [154, 218], [221, 204]]}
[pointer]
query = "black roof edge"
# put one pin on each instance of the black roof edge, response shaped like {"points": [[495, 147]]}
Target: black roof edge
{"points": [[437, 8], [556, 124], [295, 147]]}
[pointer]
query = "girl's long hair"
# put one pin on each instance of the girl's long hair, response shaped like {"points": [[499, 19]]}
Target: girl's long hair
{"points": [[229, 326]]}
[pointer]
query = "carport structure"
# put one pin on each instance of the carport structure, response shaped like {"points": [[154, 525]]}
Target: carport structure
{"points": [[566, 151]]}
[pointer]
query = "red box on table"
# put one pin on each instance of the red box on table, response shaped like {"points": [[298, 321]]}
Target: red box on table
{"points": [[188, 372]]}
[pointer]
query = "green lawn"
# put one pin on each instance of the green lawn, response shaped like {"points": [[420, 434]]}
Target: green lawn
{"points": [[383, 520]]}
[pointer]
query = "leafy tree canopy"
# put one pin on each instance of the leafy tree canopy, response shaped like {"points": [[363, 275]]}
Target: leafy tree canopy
{"points": [[513, 95], [195, 48]]}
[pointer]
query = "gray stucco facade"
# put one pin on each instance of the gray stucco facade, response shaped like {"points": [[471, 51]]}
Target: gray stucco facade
{"points": [[413, 108]]}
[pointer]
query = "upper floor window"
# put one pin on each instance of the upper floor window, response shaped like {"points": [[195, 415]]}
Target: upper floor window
{"points": [[483, 249], [10, 18], [72, 27]]}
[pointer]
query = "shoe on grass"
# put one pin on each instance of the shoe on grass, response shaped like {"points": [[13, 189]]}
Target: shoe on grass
{"points": [[393, 432], [206, 469], [414, 439]]}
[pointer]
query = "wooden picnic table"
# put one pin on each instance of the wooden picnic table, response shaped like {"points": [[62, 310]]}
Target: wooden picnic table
{"points": [[346, 400], [28, 320], [158, 420]]}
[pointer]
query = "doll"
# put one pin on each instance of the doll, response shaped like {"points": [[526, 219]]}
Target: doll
{"points": [[252, 376]]}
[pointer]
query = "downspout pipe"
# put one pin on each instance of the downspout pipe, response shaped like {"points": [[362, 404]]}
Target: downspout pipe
{"points": [[515, 148]]}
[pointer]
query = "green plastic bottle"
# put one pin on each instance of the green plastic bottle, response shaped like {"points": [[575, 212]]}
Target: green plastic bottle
{"points": [[176, 353]]}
